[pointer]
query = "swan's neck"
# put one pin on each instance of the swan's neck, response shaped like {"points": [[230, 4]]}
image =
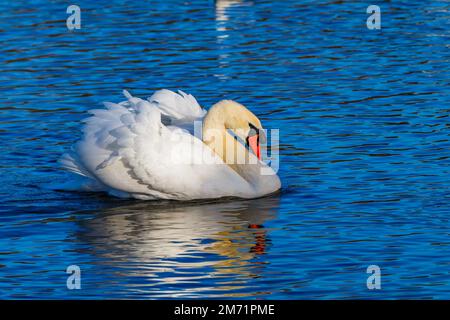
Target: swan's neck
{"points": [[214, 132], [231, 151]]}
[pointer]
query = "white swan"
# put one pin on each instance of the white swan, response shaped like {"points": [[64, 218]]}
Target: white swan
{"points": [[145, 149]]}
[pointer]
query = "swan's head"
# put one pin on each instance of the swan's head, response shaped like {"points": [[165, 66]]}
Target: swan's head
{"points": [[241, 121]]}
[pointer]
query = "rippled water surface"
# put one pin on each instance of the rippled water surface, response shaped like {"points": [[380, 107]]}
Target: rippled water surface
{"points": [[364, 140]]}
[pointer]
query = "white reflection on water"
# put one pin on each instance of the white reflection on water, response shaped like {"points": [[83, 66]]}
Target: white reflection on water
{"points": [[220, 239], [222, 21], [221, 12]]}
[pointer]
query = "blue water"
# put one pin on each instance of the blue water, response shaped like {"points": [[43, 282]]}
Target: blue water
{"points": [[364, 142]]}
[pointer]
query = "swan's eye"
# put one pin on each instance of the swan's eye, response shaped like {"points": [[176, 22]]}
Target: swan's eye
{"points": [[253, 130], [261, 133], [253, 140]]}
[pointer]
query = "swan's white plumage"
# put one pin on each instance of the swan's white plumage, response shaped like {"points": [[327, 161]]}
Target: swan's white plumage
{"points": [[182, 106], [127, 151]]}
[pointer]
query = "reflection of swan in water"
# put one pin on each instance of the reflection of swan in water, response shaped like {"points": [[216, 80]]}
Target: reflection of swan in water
{"points": [[220, 238], [221, 10]]}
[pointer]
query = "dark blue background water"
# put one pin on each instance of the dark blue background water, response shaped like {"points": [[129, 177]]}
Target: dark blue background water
{"points": [[363, 118]]}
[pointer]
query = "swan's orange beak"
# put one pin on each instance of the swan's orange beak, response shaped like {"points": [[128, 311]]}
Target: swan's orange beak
{"points": [[253, 143]]}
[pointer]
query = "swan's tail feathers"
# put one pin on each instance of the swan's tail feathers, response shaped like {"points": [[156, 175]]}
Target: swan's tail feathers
{"points": [[70, 162], [84, 181]]}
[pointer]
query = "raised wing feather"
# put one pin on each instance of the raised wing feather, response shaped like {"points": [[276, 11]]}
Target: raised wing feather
{"points": [[180, 107]]}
